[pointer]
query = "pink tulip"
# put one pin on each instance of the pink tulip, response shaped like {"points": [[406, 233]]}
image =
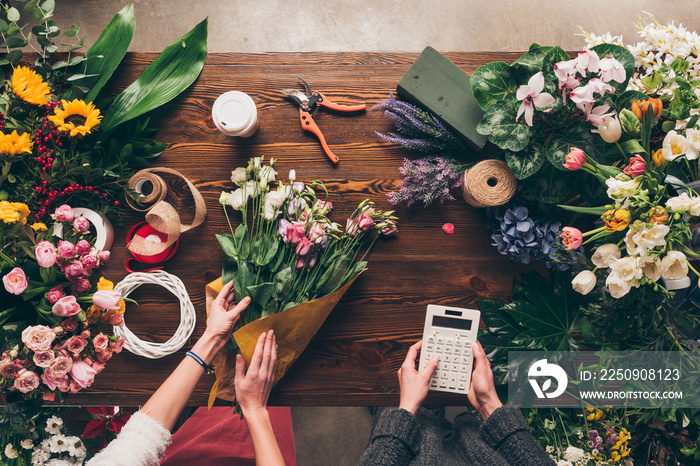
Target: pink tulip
{"points": [[63, 213], [575, 159], [89, 261], [106, 299], [66, 307], [15, 282], [45, 254], [81, 285], [82, 374], [636, 167], [74, 270], [571, 237]]}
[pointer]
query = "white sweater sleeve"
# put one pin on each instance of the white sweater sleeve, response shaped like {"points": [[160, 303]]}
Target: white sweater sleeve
{"points": [[141, 442]]}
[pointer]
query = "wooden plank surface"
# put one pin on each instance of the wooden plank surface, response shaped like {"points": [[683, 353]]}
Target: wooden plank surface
{"points": [[354, 357]]}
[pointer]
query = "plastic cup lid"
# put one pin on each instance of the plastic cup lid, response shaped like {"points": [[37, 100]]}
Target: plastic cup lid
{"points": [[233, 111]]}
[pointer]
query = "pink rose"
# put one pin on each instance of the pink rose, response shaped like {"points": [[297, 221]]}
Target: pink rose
{"points": [[107, 299], [89, 261], [365, 222], [66, 307], [304, 246], [45, 254], [81, 285], [636, 167], [575, 159], [100, 342], [75, 387], [83, 246], [59, 367], [70, 324], [27, 381], [9, 368], [81, 224], [54, 295], [15, 282], [116, 319], [66, 249], [63, 213], [74, 270], [43, 358], [85, 334], [82, 374], [76, 344], [38, 338], [98, 366], [104, 256], [53, 383], [116, 346], [571, 237], [48, 395], [103, 356]]}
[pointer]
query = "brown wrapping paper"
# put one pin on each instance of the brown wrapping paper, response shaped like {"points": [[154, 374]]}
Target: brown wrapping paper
{"points": [[294, 328]]}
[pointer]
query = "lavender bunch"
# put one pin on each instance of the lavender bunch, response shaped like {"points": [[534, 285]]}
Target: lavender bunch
{"points": [[418, 129], [427, 180]]}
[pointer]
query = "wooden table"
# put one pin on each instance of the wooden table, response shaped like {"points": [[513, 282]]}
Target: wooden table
{"points": [[354, 357]]}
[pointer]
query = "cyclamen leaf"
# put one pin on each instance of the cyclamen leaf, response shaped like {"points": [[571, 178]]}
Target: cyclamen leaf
{"points": [[620, 54], [553, 56], [579, 135], [532, 61], [526, 162], [493, 84], [549, 185], [557, 148], [626, 98], [499, 123]]}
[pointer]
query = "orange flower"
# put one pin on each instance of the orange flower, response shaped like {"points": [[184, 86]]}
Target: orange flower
{"points": [[93, 313], [658, 215], [658, 158], [640, 107], [616, 220], [104, 284]]}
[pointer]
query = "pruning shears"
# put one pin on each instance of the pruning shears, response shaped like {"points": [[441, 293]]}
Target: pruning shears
{"points": [[309, 103]]}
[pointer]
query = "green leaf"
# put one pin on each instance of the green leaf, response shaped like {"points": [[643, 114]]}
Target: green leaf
{"points": [[282, 284], [269, 254], [13, 14], [242, 280], [590, 188], [48, 7], [228, 270], [240, 237], [526, 162], [14, 56], [626, 98], [331, 278], [620, 54], [556, 150], [163, 80], [15, 42], [549, 185], [500, 125], [579, 135], [531, 62], [3, 26], [227, 245], [493, 84], [553, 56], [260, 294]]}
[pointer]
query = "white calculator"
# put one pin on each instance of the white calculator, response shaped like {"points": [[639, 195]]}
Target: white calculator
{"points": [[450, 333]]}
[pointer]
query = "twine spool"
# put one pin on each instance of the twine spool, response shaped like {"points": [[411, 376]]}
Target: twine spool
{"points": [[489, 183], [148, 234]]}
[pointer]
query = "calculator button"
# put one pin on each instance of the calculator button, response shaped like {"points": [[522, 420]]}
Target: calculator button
{"points": [[462, 386], [438, 349], [457, 350], [430, 347], [463, 377], [464, 368], [465, 359], [455, 367], [448, 349], [433, 382], [440, 340], [443, 383], [448, 341], [467, 344], [427, 356], [446, 358], [452, 382]]}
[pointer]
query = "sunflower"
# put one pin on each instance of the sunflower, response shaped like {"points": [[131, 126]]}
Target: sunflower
{"points": [[76, 117], [29, 86], [14, 144]]}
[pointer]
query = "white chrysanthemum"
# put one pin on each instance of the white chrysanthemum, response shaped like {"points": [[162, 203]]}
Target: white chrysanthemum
{"points": [[57, 443], [54, 425], [40, 456], [10, 451], [60, 462], [75, 447]]}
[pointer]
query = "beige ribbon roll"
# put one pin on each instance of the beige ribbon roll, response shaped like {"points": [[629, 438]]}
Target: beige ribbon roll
{"points": [[489, 183], [161, 215]]}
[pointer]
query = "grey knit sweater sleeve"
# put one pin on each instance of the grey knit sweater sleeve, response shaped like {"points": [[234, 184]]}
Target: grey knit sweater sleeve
{"points": [[507, 432], [395, 440]]}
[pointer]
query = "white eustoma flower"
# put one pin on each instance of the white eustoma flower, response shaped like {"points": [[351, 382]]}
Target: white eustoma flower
{"points": [[235, 199], [273, 201], [674, 146], [584, 282], [606, 255], [267, 175], [674, 266], [573, 454], [292, 176], [223, 199], [617, 287], [239, 176], [10, 451]]}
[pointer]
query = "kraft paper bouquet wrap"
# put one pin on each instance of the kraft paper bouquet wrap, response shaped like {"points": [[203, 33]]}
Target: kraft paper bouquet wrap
{"points": [[291, 259]]}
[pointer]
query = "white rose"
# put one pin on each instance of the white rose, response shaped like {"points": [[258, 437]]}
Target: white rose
{"points": [[674, 266], [239, 176], [674, 146], [27, 444], [10, 452], [650, 268], [606, 255], [628, 269], [584, 282], [563, 463], [617, 287], [235, 199], [573, 454]]}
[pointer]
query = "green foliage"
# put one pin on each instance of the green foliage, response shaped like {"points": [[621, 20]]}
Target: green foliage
{"points": [[494, 84], [526, 162]]}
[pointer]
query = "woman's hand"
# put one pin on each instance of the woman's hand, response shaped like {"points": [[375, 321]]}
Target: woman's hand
{"points": [[414, 385], [223, 315], [482, 391], [253, 387]]}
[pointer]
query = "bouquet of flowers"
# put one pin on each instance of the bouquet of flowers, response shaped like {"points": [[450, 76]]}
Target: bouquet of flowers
{"points": [[290, 258]]}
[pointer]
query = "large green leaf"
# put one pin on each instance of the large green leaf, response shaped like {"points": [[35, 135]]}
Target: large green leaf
{"points": [[531, 62], [549, 185], [626, 98], [108, 51], [526, 162], [556, 149], [500, 125], [579, 135], [620, 54], [164, 79], [553, 56], [493, 84]]}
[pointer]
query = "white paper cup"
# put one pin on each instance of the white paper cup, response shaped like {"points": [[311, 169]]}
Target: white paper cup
{"points": [[234, 114]]}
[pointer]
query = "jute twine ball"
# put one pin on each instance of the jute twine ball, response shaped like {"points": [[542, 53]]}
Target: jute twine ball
{"points": [[489, 183]]}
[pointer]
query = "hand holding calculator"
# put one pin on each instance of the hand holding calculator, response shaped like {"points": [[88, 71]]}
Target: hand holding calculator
{"points": [[450, 333]]}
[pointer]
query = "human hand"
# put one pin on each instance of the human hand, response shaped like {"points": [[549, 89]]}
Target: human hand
{"points": [[414, 385], [224, 314], [482, 391], [253, 387]]}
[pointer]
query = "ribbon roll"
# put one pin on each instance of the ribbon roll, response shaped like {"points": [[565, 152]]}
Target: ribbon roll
{"points": [[149, 235], [161, 215], [489, 183], [103, 228]]}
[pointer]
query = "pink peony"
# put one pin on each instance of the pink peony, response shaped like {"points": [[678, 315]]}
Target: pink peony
{"points": [[116, 319], [74, 270], [304, 246], [15, 282], [66, 307], [9, 368], [575, 159], [54, 295], [82, 246], [66, 249], [104, 256], [82, 374], [116, 346], [76, 344], [89, 261], [63, 213], [81, 224], [45, 254], [81, 285], [636, 167], [59, 367], [43, 358], [38, 338], [27, 381], [100, 342], [107, 299], [571, 237]]}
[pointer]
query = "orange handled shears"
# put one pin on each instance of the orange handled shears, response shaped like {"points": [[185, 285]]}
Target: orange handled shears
{"points": [[308, 105]]}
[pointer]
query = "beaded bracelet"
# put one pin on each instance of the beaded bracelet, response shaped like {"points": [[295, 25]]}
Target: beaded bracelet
{"points": [[207, 368]]}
